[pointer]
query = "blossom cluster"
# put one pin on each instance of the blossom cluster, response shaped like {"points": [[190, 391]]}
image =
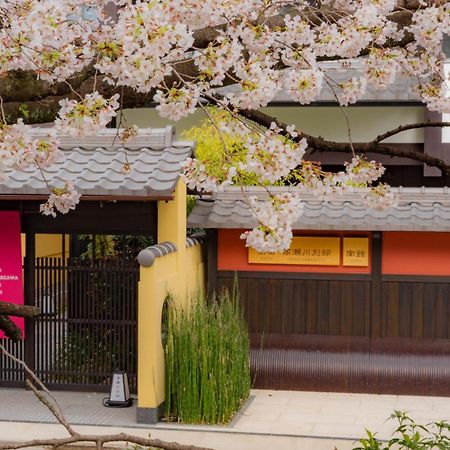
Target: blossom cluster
{"points": [[304, 84], [380, 197], [176, 103], [262, 47], [137, 50], [360, 171], [359, 174], [271, 156], [429, 26], [196, 176], [276, 218], [19, 148], [219, 57], [258, 82], [350, 91], [44, 37], [61, 199], [380, 68], [87, 116]]}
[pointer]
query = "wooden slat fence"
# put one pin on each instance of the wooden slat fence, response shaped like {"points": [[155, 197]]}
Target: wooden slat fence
{"points": [[87, 328], [330, 332]]}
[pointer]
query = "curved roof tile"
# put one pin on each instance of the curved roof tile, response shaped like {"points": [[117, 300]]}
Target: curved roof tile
{"points": [[94, 164], [419, 209]]}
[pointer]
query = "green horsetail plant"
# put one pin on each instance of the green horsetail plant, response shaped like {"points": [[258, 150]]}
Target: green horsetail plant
{"points": [[207, 360]]}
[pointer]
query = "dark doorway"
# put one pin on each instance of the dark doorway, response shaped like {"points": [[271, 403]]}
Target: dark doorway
{"points": [[88, 325]]}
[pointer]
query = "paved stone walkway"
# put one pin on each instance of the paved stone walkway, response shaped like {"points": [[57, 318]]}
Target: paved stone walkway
{"points": [[288, 420]]}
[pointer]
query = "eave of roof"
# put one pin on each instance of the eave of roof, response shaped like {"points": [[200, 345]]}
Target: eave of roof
{"points": [[94, 165], [419, 209]]}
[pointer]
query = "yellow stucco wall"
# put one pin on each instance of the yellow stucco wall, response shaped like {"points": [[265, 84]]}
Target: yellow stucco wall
{"points": [[48, 245], [180, 274]]}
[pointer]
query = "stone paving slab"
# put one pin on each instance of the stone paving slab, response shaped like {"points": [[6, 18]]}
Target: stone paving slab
{"points": [[12, 432], [333, 419]]}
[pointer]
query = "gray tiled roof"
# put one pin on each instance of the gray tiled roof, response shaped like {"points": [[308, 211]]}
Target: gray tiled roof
{"points": [[419, 209], [94, 164]]}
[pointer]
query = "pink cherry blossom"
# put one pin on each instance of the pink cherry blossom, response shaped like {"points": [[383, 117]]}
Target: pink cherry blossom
{"points": [[259, 46]]}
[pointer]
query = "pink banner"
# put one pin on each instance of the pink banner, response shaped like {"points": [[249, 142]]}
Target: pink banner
{"points": [[11, 286]]}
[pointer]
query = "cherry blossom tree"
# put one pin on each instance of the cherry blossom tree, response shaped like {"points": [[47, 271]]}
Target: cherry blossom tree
{"points": [[57, 67]]}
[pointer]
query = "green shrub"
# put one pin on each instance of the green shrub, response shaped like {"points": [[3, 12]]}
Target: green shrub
{"points": [[409, 435], [207, 360]]}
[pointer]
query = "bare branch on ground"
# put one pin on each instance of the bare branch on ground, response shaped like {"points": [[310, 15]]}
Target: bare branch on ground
{"points": [[78, 438]]}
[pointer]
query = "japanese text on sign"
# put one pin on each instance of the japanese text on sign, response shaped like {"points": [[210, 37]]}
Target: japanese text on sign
{"points": [[321, 251], [356, 252]]}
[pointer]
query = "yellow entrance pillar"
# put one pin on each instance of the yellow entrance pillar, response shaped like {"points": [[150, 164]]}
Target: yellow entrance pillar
{"points": [[162, 272], [172, 224]]}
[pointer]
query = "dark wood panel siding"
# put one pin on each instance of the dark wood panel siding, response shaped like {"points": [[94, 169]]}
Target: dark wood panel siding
{"points": [[343, 307], [416, 309], [303, 306]]}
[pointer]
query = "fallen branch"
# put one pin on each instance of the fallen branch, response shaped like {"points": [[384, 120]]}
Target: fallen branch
{"points": [[75, 438], [100, 440], [55, 411]]}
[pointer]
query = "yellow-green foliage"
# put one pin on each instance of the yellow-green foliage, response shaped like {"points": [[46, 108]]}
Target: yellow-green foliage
{"points": [[219, 150]]}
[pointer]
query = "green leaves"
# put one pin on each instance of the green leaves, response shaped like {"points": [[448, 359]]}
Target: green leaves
{"points": [[410, 436]]}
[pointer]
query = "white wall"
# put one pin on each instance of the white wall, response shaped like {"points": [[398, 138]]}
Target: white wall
{"points": [[366, 122]]}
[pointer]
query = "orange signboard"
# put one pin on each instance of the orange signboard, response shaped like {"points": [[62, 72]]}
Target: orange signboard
{"points": [[356, 252], [305, 250]]}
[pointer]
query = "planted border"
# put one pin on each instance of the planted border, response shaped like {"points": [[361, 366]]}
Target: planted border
{"points": [[207, 360]]}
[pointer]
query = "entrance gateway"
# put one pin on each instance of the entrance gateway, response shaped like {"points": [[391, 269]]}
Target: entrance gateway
{"points": [[376, 326], [88, 325]]}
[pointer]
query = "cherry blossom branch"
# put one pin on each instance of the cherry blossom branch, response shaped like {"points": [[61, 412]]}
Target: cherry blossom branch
{"points": [[411, 126], [323, 145], [10, 329], [23, 91], [12, 309], [257, 46]]}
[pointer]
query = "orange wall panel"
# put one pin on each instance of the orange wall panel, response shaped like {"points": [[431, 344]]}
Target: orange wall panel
{"points": [[233, 255], [416, 253]]}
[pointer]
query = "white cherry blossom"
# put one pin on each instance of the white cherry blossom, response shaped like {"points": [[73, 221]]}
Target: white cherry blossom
{"points": [[261, 47], [61, 199], [176, 103], [196, 176], [303, 85], [276, 217], [87, 116]]}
